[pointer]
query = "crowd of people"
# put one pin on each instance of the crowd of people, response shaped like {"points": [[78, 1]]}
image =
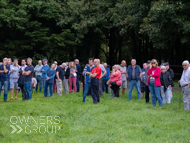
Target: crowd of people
{"points": [[152, 80]]}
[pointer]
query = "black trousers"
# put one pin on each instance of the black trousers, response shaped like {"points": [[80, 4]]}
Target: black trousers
{"points": [[147, 91], [95, 90], [115, 89], [23, 92]]}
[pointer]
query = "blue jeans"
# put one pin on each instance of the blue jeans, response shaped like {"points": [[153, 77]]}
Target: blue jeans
{"points": [[44, 83], [9, 84], [5, 83], [28, 90], [46, 92], [87, 87], [40, 82], [137, 85], [105, 86], [77, 83], [155, 93]]}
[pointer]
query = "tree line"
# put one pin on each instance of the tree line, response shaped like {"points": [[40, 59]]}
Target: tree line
{"points": [[111, 30]]}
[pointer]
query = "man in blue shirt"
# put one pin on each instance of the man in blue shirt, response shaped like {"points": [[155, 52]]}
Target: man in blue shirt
{"points": [[4, 71], [105, 78], [44, 71], [78, 74], [28, 72]]}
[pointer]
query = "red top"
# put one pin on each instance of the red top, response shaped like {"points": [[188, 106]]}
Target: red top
{"points": [[156, 76], [98, 71], [116, 77]]}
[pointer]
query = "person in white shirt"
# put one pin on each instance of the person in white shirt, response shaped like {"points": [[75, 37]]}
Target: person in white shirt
{"points": [[185, 84]]}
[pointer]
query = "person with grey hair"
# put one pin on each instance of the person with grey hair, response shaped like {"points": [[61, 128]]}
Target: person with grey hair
{"points": [[66, 77], [28, 72], [49, 81], [14, 69], [185, 84], [78, 67], [123, 70], [166, 82], [59, 79], [134, 74], [4, 71], [38, 74]]}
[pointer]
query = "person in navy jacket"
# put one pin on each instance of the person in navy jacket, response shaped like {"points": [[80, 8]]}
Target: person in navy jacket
{"points": [[49, 81]]}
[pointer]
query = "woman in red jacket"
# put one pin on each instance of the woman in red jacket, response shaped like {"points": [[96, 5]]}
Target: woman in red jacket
{"points": [[154, 82]]}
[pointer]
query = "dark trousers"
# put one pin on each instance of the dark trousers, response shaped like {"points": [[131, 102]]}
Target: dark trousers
{"points": [[23, 92], [115, 89], [77, 83], [147, 91], [105, 86], [95, 90]]}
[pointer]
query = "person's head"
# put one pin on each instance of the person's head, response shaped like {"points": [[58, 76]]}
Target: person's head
{"points": [[133, 62], [91, 61], [29, 61], [154, 63], [63, 65], [9, 61], [163, 69], [76, 61], [123, 63], [45, 61], [55, 62], [185, 64], [148, 63], [15, 62], [166, 65], [67, 63], [53, 66], [40, 62], [5, 60], [72, 64], [23, 62], [116, 67], [105, 65], [113, 67], [145, 66], [96, 62]]}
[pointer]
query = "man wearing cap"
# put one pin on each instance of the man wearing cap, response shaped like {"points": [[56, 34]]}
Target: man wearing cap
{"points": [[38, 74], [59, 79], [185, 84], [44, 72]]}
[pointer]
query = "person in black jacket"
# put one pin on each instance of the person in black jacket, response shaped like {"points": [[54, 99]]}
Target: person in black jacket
{"points": [[66, 77], [21, 79], [166, 82]]}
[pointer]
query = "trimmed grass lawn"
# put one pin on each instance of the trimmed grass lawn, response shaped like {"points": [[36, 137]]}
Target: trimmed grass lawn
{"points": [[110, 121]]}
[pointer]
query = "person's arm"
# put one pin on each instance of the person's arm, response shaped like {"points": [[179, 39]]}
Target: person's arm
{"points": [[103, 73], [170, 80], [35, 69], [172, 74], [51, 77], [84, 71], [57, 74]]}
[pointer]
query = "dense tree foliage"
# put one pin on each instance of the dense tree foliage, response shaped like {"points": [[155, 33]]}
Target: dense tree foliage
{"points": [[108, 29]]}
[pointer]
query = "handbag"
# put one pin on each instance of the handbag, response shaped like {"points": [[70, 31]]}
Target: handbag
{"points": [[113, 82]]}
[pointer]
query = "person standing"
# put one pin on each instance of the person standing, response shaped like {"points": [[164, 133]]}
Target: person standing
{"points": [[38, 74], [9, 60], [72, 77], [105, 78], [123, 70], [14, 69], [147, 91], [165, 85], [185, 84], [44, 71], [134, 75], [95, 77], [104, 72], [21, 79], [4, 71], [54, 82], [87, 71], [59, 79], [78, 68], [143, 82], [154, 82], [28, 72], [66, 78], [49, 81], [115, 80]]}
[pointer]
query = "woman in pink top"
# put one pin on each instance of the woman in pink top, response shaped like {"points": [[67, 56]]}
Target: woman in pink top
{"points": [[154, 83], [115, 80]]}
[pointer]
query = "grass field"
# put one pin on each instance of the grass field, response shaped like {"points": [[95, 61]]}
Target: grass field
{"points": [[110, 121]]}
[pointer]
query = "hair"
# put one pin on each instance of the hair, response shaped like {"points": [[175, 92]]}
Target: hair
{"points": [[185, 62], [64, 64], [134, 60], [91, 59], [155, 61], [117, 66], [15, 59], [71, 63], [97, 60], [76, 60], [163, 67], [29, 59]]}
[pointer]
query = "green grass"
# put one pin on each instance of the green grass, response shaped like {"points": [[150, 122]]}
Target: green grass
{"points": [[110, 121]]}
